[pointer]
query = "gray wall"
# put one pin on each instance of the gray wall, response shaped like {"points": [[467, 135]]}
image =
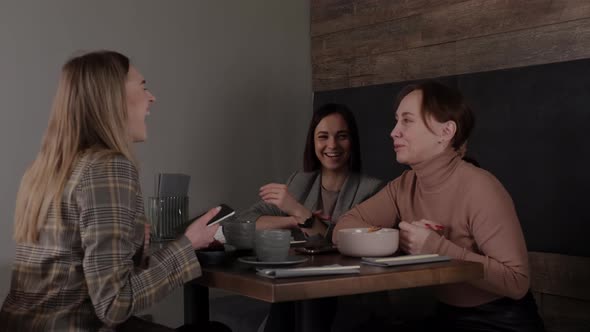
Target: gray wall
{"points": [[232, 80]]}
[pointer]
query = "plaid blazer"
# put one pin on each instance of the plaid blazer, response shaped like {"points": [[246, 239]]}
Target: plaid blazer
{"points": [[84, 272]]}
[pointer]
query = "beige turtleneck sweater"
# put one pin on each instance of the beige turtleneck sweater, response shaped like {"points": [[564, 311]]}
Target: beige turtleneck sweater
{"points": [[479, 218]]}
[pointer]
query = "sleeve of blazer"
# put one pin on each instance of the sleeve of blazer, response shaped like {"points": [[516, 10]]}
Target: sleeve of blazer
{"points": [[107, 197], [261, 208], [369, 186]]}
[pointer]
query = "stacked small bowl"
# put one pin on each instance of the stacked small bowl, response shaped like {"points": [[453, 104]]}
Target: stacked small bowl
{"points": [[272, 245], [239, 234]]}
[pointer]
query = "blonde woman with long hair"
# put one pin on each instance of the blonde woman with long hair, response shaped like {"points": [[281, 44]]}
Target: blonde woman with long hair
{"points": [[79, 221]]}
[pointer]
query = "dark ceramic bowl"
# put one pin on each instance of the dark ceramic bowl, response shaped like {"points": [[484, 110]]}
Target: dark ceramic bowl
{"points": [[215, 256]]}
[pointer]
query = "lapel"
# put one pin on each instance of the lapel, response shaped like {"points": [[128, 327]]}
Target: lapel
{"points": [[346, 196], [311, 201]]}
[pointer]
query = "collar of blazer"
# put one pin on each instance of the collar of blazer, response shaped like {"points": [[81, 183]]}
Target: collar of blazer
{"points": [[345, 197]]}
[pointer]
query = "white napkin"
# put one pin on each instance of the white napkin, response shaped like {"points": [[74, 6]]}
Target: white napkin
{"points": [[219, 235], [309, 271]]}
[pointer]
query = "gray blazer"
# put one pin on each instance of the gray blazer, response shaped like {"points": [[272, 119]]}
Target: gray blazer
{"points": [[305, 188]]}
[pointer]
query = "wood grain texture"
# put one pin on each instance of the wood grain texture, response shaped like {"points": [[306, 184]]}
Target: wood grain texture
{"points": [[436, 25], [563, 314], [367, 42], [242, 280], [561, 289], [547, 44], [560, 275], [329, 16]]}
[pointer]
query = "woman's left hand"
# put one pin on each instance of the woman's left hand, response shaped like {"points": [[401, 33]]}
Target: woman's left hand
{"points": [[412, 236]]}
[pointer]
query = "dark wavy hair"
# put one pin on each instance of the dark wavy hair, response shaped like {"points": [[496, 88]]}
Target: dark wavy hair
{"points": [[444, 104], [310, 160]]}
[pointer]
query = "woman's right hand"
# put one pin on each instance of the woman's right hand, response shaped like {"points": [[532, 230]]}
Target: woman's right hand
{"points": [[199, 233], [412, 236]]}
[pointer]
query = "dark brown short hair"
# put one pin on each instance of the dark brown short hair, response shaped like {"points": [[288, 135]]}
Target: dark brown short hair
{"points": [[444, 104], [310, 160]]}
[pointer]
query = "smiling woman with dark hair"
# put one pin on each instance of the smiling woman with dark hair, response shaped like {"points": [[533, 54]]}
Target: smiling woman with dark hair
{"points": [[310, 201], [311, 159], [330, 184]]}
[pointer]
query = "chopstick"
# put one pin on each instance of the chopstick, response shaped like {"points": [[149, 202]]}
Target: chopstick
{"points": [[373, 229], [435, 227]]}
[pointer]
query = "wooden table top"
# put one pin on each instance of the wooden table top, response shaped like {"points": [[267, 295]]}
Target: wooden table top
{"points": [[241, 278]]}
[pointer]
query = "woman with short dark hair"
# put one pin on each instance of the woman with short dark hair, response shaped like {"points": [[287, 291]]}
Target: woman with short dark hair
{"points": [[444, 205]]}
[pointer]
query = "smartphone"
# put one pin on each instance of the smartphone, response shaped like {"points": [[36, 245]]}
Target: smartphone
{"points": [[316, 250], [223, 214]]}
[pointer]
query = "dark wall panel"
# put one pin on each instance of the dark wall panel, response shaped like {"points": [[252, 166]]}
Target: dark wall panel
{"points": [[532, 127]]}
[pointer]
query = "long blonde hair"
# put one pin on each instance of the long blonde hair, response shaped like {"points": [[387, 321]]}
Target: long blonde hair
{"points": [[89, 113]]}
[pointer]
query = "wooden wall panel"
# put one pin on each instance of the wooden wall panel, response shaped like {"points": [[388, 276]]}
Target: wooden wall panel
{"points": [[562, 291], [560, 275], [328, 16], [436, 38], [562, 314], [442, 25]]}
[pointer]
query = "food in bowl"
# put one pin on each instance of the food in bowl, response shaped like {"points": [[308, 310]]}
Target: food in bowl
{"points": [[367, 242]]}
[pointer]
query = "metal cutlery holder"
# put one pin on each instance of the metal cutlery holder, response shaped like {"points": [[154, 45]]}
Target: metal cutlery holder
{"points": [[167, 216]]}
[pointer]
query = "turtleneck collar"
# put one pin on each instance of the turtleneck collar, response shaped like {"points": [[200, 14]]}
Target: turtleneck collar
{"points": [[434, 172]]}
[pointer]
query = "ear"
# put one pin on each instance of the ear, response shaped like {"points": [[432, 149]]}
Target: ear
{"points": [[448, 131]]}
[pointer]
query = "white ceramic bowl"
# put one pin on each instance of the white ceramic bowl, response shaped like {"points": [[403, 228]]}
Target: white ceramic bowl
{"points": [[358, 242]]}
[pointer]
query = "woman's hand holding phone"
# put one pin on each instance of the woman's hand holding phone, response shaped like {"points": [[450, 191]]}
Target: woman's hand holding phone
{"points": [[199, 233]]}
